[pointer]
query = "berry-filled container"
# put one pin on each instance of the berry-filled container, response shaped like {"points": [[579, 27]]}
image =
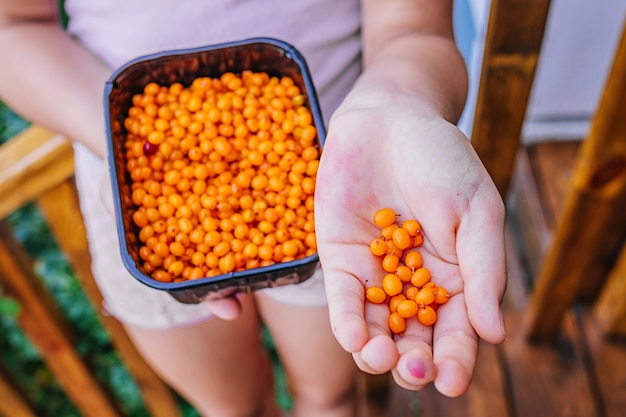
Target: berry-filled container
{"points": [[213, 153]]}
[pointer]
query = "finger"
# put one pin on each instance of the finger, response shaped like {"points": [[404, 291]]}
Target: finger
{"points": [[481, 256], [455, 347], [228, 308], [380, 353], [415, 368], [345, 295]]}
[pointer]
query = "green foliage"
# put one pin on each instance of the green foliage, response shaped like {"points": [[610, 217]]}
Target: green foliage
{"points": [[8, 306], [10, 123]]}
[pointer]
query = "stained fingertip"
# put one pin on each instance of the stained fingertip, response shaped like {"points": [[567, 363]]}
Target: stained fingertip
{"points": [[415, 371]]}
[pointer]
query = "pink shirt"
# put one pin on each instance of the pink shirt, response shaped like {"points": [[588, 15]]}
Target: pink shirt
{"points": [[326, 32]]}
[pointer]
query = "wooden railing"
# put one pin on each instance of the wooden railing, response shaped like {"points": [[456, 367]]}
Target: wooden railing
{"points": [[38, 166]]}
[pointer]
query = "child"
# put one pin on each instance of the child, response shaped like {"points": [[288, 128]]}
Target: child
{"points": [[390, 76]]}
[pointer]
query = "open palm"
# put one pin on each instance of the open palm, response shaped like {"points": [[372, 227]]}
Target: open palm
{"points": [[424, 168]]}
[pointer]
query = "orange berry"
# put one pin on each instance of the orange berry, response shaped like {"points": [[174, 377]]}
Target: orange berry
{"points": [[413, 259], [412, 227], [411, 292], [387, 231], [395, 301], [418, 240], [378, 247], [397, 324], [407, 308], [401, 238], [441, 295], [425, 297], [404, 273], [420, 277], [392, 284], [390, 263], [375, 295], [384, 217], [427, 315]]}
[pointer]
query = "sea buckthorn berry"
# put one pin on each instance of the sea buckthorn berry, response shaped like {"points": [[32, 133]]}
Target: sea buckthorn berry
{"points": [[420, 276], [412, 227], [427, 315], [407, 309], [395, 301], [392, 284], [387, 232], [392, 249], [425, 296], [390, 263], [441, 295], [384, 217], [375, 295], [413, 260], [404, 273], [378, 247], [397, 324], [418, 240], [401, 238], [411, 292]]}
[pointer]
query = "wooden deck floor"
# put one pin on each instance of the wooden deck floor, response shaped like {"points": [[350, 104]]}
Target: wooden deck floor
{"points": [[579, 374]]}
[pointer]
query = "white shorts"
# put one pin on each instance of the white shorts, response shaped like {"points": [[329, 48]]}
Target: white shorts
{"points": [[131, 301]]}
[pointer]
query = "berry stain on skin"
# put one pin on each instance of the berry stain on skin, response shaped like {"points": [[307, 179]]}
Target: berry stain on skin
{"points": [[416, 367]]}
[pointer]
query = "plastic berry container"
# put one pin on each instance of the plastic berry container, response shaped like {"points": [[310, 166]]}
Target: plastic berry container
{"points": [[272, 56]]}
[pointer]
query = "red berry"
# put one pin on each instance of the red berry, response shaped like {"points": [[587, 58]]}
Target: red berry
{"points": [[149, 149]]}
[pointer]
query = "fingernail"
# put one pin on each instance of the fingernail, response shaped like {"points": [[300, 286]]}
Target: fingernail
{"points": [[416, 367], [502, 325]]}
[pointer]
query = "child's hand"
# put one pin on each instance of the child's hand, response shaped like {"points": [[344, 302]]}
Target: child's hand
{"points": [[398, 155]]}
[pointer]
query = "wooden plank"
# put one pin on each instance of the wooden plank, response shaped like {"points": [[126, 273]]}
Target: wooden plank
{"points": [[548, 379], [542, 175], [485, 397], [404, 403], [43, 323], [527, 216], [31, 162], [553, 167], [12, 402], [608, 357], [516, 294], [373, 392], [512, 45], [60, 207], [591, 226], [610, 308]]}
